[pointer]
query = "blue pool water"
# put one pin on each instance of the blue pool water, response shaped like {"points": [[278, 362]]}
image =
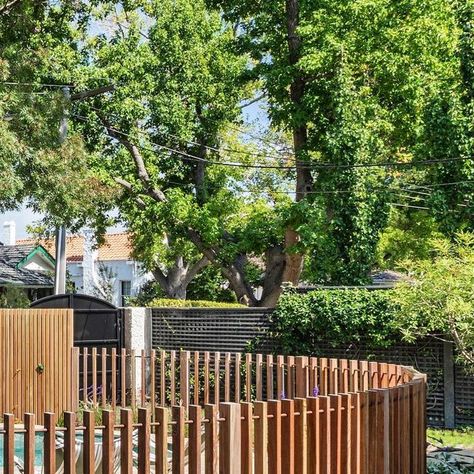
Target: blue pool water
{"points": [[20, 450]]}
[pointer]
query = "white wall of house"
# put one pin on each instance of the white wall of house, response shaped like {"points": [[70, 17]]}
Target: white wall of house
{"points": [[122, 271]]}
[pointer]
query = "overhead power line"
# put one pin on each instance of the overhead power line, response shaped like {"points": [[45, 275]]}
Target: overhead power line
{"points": [[313, 166], [36, 84]]}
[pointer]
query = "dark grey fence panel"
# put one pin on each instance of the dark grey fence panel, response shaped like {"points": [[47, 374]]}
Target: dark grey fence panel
{"points": [[203, 329], [231, 330]]}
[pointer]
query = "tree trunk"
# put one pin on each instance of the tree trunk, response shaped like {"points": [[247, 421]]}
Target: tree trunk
{"points": [[180, 275], [304, 180]]}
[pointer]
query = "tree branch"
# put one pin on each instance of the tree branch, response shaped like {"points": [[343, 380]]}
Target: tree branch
{"points": [[195, 269], [161, 278], [8, 6], [143, 175], [128, 186], [256, 99]]}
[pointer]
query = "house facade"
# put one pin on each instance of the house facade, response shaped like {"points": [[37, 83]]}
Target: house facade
{"points": [[107, 271], [28, 266]]}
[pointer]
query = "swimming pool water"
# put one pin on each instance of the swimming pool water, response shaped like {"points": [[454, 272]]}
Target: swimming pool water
{"points": [[20, 448]]}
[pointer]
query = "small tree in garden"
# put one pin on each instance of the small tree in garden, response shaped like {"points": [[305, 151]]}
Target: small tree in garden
{"points": [[441, 299]]}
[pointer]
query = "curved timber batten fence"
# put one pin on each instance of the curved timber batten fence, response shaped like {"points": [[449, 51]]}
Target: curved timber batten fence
{"points": [[202, 412]]}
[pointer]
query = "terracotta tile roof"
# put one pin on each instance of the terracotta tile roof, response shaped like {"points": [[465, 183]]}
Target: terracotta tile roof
{"points": [[116, 247]]}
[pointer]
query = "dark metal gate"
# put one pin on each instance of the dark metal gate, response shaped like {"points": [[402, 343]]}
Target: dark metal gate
{"points": [[97, 323]]}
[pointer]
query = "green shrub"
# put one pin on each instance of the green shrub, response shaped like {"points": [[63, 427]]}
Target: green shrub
{"points": [[302, 321], [170, 303], [14, 297]]}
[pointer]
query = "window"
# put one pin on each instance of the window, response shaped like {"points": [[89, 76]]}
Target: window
{"points": [[126, 291]]}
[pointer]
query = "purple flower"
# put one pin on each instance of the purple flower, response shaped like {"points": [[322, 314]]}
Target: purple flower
{"points": [[315, 391], [283, 395]]}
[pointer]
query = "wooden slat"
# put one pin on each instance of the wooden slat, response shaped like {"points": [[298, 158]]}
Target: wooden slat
{"points": [[217, 377], [336, 433], [94, 375], [113, 378], [313, 377], [364, 375], [290, 369], [301, 375], [258, 376], [246, 439], [9, 443], [196, 378], [153, 380], [343, 375], [373, 441], [237, 387], [126, 440], [69, 443], [29, 443], [301, 439], [325, 435], [184, 378], [133, 378], [373, 375], [288, 436], [206, 378], [143, 384], [261, 437], [323, 376], [161, 435], [333, 376], [313, 436], [123, 378], [248, 377], [178, 456], [227, 377], [211, 440], [355, 447], [108, 421], [195, 418], [103, 381], [364, 432], [144, 432], [89, 441], [230, 438], [354, 378], [85, 372], [346, 432], [173, 379], [280, 368], [270, 388], [162, 378], [49, 443], [274, 437]]}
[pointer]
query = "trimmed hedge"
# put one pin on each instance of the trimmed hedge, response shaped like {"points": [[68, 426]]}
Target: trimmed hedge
{"points": [[339, 317], [171, 303]]}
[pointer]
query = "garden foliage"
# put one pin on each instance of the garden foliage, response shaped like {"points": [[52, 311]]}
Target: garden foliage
{"points": [[300, 322]]}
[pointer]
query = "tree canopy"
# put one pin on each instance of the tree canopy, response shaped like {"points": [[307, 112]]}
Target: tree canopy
{"points": [[369, 106]]}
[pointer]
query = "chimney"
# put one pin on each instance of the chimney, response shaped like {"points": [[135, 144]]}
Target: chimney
{"points": [[89, 262], [9, 232]]}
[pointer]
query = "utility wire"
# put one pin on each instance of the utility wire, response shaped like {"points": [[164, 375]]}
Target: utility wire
{"points": [[33, 84], [315, 166], [211, 148]]}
